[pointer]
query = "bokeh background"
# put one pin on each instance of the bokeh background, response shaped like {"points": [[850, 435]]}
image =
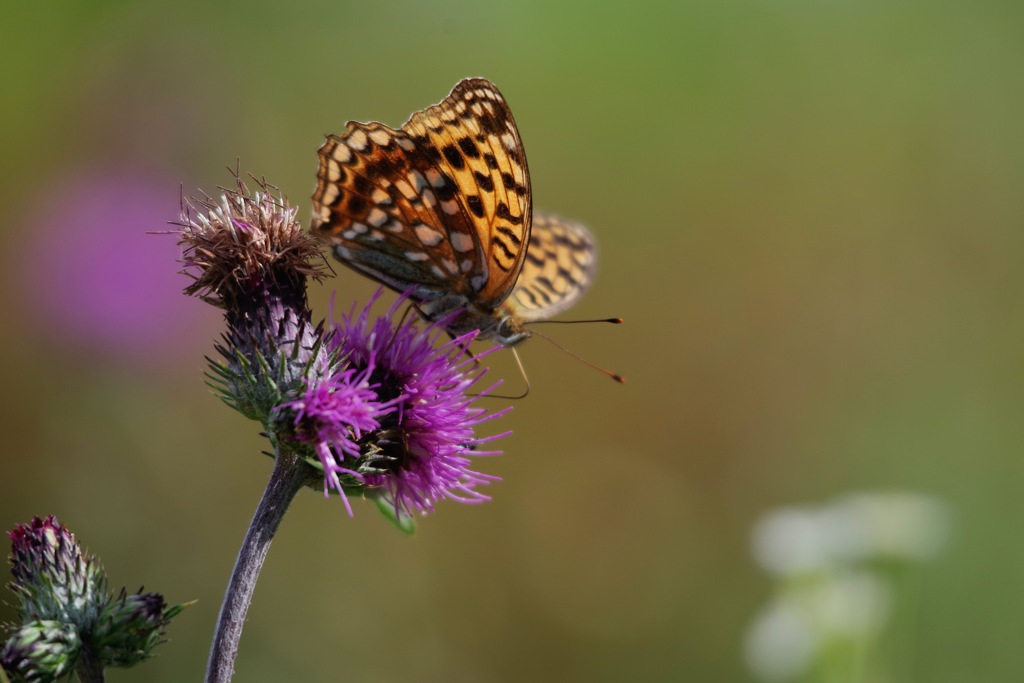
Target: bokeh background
{"points": [[809, 214]]}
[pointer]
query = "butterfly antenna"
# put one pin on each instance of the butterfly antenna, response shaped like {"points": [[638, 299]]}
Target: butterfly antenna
{"points": [[617, 377], [613, 321]]}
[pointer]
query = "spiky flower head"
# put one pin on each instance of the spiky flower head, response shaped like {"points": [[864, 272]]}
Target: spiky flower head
{"points": [[407, 435], [248, 255], [67, 612], [53, 578]]}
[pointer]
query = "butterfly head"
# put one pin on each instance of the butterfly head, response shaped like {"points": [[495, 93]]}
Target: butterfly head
{"points": [[510, 331]]}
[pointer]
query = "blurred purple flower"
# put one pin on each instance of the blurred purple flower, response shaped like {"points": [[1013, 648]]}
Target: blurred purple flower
{"points": [[427, 439], [94, 280]]}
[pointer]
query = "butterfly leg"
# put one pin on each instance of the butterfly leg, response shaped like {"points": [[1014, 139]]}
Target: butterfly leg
{"points": [[522, 372], [465, 349], [401, 321]]}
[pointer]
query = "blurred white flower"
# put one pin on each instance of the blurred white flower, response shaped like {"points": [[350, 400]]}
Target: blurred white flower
{"points": [[785, 638], [793, 541], [780, 643], [901, 526], [833, 597], [852, 604]]}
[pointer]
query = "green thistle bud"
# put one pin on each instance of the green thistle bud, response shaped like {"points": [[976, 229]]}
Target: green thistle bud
{"points": [[41, 651], [248, 255], [70, 621]]}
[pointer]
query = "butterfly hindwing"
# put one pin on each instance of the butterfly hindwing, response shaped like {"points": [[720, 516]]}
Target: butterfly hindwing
{"points": [[560, 263]]}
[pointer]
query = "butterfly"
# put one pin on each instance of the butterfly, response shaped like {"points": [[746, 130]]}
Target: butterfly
{"points": [[442, 208]]}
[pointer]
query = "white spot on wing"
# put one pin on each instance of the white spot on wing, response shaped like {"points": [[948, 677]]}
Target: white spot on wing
{"points": [[450, 207], [406, 144], [417, 180], [435, 178], [357, 141], [427, 235], [461, 242], [377, 218], [380, 136], [508, 140], [406, 189], [416, 255], [342, 154]]}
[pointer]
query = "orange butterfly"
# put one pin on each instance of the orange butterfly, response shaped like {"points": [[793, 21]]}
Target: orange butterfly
{"points": [[442, 208]]}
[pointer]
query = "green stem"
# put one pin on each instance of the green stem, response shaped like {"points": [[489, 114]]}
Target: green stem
{"points": [[89, 668], [290, 474]]}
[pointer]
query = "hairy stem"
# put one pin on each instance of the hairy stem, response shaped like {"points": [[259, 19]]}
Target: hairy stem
{"points": [[290, 474], [89, 668]]}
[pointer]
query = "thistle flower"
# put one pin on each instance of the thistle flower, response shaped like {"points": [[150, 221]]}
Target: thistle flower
{"points": [[368, 408], [69, 619], [248, 255], [333, 416], [411, 445]]}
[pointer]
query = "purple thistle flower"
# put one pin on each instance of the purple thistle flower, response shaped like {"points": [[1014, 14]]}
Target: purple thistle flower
{"points": [[427, 439], [333, 416]]}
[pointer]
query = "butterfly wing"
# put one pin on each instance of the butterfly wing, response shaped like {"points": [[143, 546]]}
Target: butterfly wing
{"points": [[441, 205], [559, 267]]}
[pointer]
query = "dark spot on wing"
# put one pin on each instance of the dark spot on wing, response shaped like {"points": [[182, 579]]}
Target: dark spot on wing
{"points": [[475, 205], [453, 157], [446, 191], [509, 233], [362, 184], [484, 181], [469, 148]]}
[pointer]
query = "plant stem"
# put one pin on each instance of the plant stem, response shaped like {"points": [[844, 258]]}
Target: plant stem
{"points": [[89, 668], [290, 474]]}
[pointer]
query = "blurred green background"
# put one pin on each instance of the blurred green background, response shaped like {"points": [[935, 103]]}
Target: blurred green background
{"points": [[809, 215]]}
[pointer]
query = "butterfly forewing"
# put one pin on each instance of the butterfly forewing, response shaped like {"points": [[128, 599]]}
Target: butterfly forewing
{"points": [[473, 138], [441, 205], [559, 266]]}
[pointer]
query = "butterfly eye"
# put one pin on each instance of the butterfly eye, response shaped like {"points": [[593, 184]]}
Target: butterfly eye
{"points": [[506, 328], [509, 332]]}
